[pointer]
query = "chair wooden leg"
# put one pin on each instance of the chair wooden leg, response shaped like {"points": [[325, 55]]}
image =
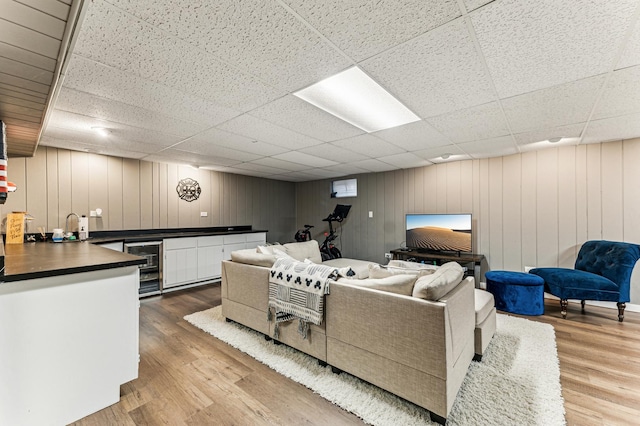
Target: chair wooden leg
{"points": [[563, 307], [582, 303], [621, 307]]}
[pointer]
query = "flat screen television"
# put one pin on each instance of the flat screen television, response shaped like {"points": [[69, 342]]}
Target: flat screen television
{"points": [[439, 232]]}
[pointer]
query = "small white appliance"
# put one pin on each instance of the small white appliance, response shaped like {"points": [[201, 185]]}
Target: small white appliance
{"points": [[83, 228]]}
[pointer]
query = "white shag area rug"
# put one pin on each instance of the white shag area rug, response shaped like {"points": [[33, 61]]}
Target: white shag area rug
{"points": [[516, 383]]}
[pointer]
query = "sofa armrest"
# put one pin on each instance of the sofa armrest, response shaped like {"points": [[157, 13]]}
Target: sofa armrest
{"points": [[418, 333], [250, 284]]}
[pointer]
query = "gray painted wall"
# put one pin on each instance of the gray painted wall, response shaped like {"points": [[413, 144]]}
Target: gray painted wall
{"points": [[530, 209], [136, 194]]}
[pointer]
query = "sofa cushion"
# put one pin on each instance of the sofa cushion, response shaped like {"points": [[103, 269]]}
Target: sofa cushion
{"points": [[400, 284], [484, 304], [441, 282], [268, 249], [304, 250], [360, 267], [251, 257], [379, 271], [411, 265]]}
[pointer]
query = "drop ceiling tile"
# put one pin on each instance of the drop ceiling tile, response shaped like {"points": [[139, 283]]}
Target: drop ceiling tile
{"points": [[116, 38], [631, 55], [435, 154], [612, 129], [290, 177], [570, 131], [117, 112], [373, 165], [304, 159], [545, 144], [280, 164], [326, 173], [237, 171], [554, 106], [203, 147], [414, 136], [368, 145], [405, 160], [363, 28], [276, 46], [344, 170], [183, 157], [83, 123], [479, 122], [333, 153], [224, 139], [435, 73], [294, 177], [92, 77], [260, 168], [475, 4], [254, 128], [94, 149], [530, 45], [494, 147], [112, 142], [295, 114], [622, 94]]}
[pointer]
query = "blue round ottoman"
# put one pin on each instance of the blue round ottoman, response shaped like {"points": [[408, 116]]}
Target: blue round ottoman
{"points": [[516, 292]]}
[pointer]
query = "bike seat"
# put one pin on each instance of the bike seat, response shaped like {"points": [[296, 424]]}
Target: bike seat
{"points": [[308, 226]]}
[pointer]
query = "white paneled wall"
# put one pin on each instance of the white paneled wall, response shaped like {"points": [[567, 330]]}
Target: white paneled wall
{"points": [[136, 194], [530, 209]]}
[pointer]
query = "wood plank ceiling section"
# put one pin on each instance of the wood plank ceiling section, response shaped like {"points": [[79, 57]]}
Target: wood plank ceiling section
{"points": [[34, 40]]}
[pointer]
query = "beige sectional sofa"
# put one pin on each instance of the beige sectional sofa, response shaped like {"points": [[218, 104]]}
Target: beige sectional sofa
{"points": [[417, 349]]}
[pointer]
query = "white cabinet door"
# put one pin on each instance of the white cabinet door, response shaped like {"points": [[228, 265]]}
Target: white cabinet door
{"points": [[228, 248], [209, 262], [180, 266], [256, 239]]}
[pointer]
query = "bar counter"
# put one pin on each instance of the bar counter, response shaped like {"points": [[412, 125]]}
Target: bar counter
{"points": [[40, 260]]}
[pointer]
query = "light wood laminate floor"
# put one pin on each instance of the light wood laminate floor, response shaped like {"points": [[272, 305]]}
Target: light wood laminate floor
{"points": [[188, 377]]}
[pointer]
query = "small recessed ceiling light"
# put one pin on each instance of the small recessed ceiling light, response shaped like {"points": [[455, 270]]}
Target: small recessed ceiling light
{"points": [[102, 131], [554, 140], [354, 97], [445, 156]]}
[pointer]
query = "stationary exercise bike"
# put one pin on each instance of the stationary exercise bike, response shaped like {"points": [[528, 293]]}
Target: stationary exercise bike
{"points": [[304, 234], [327, 249]]}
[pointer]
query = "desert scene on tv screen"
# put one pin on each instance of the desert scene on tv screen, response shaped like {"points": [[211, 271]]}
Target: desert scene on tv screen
{"points": [[439, 239]]}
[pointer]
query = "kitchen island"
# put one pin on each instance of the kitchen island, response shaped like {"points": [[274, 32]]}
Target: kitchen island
{"points": [[68, 330]]}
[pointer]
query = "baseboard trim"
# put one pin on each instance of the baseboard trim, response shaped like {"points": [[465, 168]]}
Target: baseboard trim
{"points": [[610, 305]]}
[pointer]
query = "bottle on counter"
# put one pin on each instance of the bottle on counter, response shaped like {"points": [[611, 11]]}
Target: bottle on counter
{"points": [[58, 235]]}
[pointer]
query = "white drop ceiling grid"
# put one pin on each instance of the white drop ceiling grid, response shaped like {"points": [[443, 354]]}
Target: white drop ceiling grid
{"points": [[210, 83]]}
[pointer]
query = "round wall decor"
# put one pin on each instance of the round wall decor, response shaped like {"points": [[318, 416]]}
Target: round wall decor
{"points": [[188, 189]]}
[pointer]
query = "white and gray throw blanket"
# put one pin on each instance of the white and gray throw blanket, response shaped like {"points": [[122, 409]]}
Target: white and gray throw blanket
{"points": [[296, 290]]}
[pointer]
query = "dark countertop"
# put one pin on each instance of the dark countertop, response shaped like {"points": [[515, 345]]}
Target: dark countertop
{"points": [[46, 259], [39, 260], [140, 235]]}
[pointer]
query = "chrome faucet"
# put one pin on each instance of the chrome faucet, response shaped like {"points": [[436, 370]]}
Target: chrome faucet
{"points": [[66, 222]]}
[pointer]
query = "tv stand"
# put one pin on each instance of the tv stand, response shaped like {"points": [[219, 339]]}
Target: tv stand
{"points": [[472, 261]]}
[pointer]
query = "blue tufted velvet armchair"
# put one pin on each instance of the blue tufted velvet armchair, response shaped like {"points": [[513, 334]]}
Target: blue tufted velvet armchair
{"points": [[602, 272]]}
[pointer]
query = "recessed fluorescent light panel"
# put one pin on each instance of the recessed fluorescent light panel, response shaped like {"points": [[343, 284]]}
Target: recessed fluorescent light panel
{"points": [[355, 98]]}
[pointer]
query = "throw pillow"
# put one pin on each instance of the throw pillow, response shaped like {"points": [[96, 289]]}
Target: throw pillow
{"points": [[399, 284], [268, 249], [411, 265], [250, 257], [279, 253], [304, 250], [378, 271], [441, 282]]}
